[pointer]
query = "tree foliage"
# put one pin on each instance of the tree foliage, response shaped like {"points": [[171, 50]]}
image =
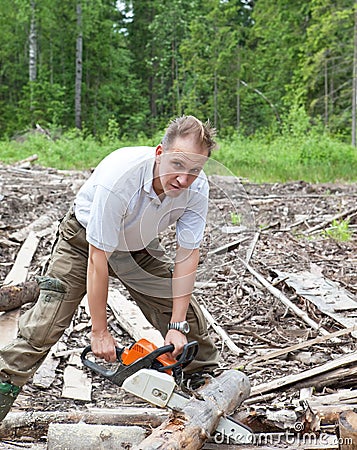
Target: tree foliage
{"points": [[242, 64]]}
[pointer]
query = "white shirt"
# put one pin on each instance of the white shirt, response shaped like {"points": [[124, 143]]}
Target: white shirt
{"points": [[120, 210]]}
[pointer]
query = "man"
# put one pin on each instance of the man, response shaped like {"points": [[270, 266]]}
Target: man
{"points": [[112, 229]]}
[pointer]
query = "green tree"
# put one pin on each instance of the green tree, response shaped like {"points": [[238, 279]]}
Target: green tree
{"points": [[275, 43], [324, 76], [213, 61]]}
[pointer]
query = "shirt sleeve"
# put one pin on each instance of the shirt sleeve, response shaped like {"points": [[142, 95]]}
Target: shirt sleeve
{"points": [[105, 219], [191, 225]]}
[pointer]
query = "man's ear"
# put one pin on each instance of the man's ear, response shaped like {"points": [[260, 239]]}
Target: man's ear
{"points": [[158, 152]]}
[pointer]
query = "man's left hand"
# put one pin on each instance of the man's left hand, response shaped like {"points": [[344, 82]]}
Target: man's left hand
{"points": [[176, 338]]}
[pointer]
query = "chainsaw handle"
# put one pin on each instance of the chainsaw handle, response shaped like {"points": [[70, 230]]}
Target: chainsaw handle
{"points": [[122, 372], [188, 355], [100, 370]]}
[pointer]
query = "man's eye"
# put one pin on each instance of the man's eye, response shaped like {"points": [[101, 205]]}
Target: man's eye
{"points": [[178, 164]]}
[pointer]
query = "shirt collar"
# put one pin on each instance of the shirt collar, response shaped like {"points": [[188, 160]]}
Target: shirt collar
{"points": [[149, 175]]}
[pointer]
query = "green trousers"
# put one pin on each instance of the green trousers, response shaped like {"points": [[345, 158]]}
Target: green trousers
{"points": [[146, 275]]}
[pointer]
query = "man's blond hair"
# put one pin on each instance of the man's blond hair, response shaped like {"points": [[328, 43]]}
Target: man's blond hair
{"points": [[184, 126]]}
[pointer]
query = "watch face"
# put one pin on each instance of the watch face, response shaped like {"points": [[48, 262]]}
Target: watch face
{"points": [[185, 327]]}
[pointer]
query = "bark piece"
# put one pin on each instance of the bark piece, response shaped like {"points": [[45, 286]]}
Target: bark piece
{"points": [[12, 297], [347, 426], [92, 437], [198, 419], [77, 385], [330, 298]]}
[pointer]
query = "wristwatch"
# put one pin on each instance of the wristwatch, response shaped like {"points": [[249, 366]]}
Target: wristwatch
{"points": [[184, 327]]}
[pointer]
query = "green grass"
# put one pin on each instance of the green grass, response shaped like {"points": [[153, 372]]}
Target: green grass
{"points": [[311, 157]]}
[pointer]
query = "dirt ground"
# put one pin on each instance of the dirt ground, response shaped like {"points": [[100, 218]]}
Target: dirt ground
{"points": [[270, 219]]}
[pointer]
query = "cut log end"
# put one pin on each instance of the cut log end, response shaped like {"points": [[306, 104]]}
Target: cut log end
{"points": [[12, 297], [347, 427]]}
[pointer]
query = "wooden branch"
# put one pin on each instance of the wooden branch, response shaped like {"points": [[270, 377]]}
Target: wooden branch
{"points": [[227, 247], [35, 424], [252, 247], [300, 345], [12, 297], [222, 333], [307, 375], [280, 296], [190, 427], [339, 377], [327, 222]]}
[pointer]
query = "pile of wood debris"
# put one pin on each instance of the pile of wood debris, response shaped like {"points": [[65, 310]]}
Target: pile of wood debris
{"points": [[278, 286]]}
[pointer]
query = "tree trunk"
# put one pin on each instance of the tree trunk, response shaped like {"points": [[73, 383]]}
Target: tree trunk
{"points": [[198, 419], [12, 297], [32, 57], [33, 44], [79, 56], [354, 82]]}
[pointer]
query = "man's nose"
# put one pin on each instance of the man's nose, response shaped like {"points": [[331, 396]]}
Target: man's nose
{"points": [[183, 179]]}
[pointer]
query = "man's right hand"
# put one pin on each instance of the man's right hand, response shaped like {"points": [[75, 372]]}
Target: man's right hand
{"points": [[103, 345]]}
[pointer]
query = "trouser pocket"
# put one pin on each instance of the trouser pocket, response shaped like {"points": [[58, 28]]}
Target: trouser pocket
{"points": [[38, 325]]}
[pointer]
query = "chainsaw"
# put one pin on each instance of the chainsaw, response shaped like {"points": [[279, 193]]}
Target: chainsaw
{"points": [[152, 374]]}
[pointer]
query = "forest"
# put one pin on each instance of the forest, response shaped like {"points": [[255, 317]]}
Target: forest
{"points": [[256, 69]]}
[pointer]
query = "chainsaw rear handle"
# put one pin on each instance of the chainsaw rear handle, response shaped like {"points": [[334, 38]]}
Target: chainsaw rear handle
{"points": [[188, 355], [118, 375]]}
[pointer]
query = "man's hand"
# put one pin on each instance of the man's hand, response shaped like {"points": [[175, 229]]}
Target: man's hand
{"points": [[103, 345], [176, 338]]}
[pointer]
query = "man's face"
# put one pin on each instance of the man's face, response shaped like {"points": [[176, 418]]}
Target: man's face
{"points": [[177, 168]]}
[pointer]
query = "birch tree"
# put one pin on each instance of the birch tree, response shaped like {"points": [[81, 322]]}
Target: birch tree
{"points": [[78, 75], [354, 80]]}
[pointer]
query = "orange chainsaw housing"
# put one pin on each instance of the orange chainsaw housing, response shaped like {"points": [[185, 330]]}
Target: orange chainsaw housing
{"points": [[142, 348]]}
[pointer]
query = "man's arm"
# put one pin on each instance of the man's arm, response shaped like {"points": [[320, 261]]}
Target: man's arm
{"points": [[102, 341], [183, 280]]}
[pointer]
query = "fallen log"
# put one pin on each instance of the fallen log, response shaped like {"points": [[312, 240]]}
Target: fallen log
{"points": [[12, 297], [190, 427], [36, 423], [92, 437]]}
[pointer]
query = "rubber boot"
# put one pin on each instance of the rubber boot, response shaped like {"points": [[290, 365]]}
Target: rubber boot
{"points": [[8, 394]]}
